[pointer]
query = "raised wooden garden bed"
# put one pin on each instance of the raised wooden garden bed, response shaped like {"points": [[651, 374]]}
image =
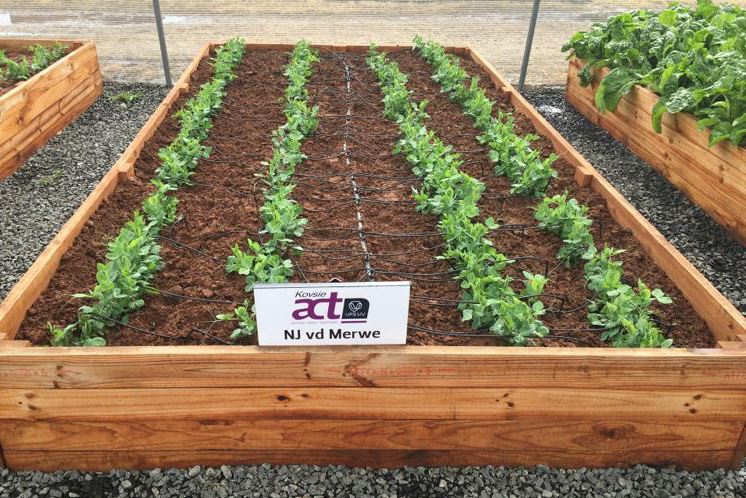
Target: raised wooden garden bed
{"points": [[714, 177], [34, 110], [182, 405]]}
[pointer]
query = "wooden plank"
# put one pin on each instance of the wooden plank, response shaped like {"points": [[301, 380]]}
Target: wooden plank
{"points": [[102, 460], [696, 182], [734, 345], [712, 177], [682, 126], [35, 110], [55, 83], [393, 366], [6, 345], [723, 167], [313, 434], [724, 320], [740, 451], [13, 309], [376, 404], [45, 125], [697, 172]]}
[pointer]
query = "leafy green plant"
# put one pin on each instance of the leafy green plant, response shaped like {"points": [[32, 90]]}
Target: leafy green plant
{"points": [[133, 257], [622, 311], [244, 316], [14, 70], [42, 57], [567, 219], [24, 68], [511, 153], [694, 58], [533, 285], [269, 262], [260, 264], [488, 301], [125, 99]]}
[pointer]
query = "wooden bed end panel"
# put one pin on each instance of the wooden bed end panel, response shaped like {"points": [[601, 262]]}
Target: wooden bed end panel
{"points": [[36, 109], [392, 406]]}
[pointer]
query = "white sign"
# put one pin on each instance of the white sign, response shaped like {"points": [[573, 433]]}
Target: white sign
{"points": [[349, 313]]}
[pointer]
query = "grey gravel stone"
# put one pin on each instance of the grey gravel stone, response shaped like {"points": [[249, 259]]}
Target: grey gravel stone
{"points": [[39, 197], [411, 482], [711, 250]]}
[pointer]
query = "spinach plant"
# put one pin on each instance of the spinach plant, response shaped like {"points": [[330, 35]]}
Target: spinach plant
{"points": [[693, 58]]}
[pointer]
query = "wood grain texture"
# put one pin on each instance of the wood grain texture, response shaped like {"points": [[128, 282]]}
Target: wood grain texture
{"points": [[375, 404], [712, 177], [724, 320], [102, 460], [313, 434], [383, 366], [36, 109]]}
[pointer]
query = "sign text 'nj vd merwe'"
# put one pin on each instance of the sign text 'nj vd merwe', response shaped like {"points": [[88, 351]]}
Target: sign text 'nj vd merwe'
{"points": [[337, 314]]}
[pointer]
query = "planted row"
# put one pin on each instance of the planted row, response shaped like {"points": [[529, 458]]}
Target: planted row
{"points": [[488, 300], [617, 307], [511, 153], [623, 311], [269, 262], [133, 257], [23, 67]]}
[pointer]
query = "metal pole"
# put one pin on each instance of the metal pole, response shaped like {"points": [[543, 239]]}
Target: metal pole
{"points": [[529, 42], [162, 41]]}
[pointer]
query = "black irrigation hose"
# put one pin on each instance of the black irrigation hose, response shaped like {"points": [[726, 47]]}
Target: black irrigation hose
{"points": [[214, 337], [138, 329], [185, 246], [192, 298]]}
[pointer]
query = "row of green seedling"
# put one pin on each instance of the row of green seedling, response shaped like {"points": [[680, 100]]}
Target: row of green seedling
{"points": [[133, 257], [268, 261], [624, 313], [511, 154], [488, 300], [25, 67]]}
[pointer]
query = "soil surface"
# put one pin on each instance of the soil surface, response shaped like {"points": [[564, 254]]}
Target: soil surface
{"points": [[362, 222]]}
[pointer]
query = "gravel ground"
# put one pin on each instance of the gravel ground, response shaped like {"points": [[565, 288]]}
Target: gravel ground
{"points": [[412, 482], [718, 256], [39, 198]]}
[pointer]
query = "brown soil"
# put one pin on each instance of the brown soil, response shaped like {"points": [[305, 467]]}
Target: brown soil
{"points": [[5, 84], [220, 210]]}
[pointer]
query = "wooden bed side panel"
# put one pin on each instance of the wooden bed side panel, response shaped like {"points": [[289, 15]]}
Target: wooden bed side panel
{"points": [[712, 177]]}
